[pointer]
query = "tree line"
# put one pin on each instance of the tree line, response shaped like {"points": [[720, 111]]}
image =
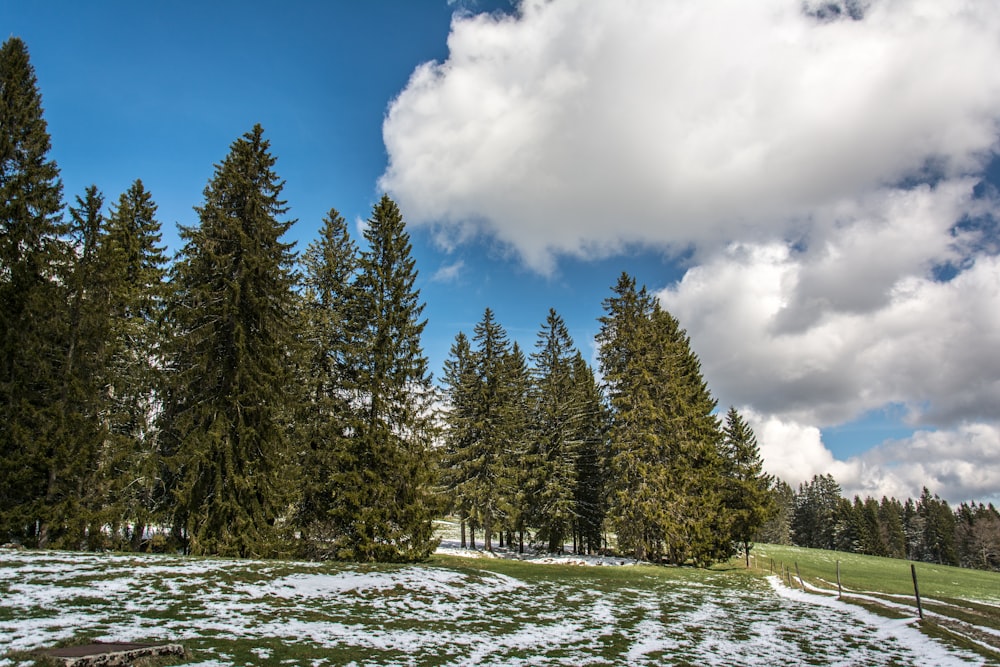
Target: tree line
{"points": [[247, 401], [927, 529]]}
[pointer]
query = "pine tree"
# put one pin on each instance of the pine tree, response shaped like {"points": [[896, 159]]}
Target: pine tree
{"points": [[637, 474], [486, 461], [939, 529], [384, 501], [591, 473], [230, 328], [130, 463], [74, 495], [748, 500], [325, 420], [814, 520], [515, 467], [698, 527], [778, 529], [32, 299], [890, 515], [555, 434], [666, 470], [459, 385]]}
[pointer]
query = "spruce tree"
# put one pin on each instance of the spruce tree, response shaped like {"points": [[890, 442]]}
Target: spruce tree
{"points": [[130, 463], [490, 397], [459, 391], [384, 501], [698, 527], [32, 298], [74, 496], [748, 497], [591, 474], [666, 472], [231, 334], [515, 467], [555, 450], [778, 529], [638, 483], [326, 413]]}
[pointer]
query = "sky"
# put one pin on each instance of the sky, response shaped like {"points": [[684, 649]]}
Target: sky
{"points": [[809, 186]]}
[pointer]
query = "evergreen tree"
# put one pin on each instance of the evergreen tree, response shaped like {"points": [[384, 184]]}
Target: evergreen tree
{"points": [[815, 517], [778, 529], [699, 526], [890, 519], [325, 420], [460, 382], [939, 529], [749, 500], [638, 483], [592, 455], [383, 501], [555, 434], [130, 463], [666, 468], [74, 495], [230, 328], [489, 425], [516, 468], [32, 300]]}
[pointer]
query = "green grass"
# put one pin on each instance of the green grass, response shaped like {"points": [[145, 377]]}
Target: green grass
{"points": [[885, 575], [960, 605], [450, 610]]}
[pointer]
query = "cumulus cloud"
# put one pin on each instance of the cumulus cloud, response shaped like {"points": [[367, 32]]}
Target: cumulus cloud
{"points": [[584, 126], [960, 464], [817, 162], [926, 346]]}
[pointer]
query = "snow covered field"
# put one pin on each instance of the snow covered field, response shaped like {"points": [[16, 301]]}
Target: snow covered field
{"points": [[451, 612]]}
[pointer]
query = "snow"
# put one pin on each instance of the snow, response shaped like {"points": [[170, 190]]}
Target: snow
{"points": [[445, 615]]}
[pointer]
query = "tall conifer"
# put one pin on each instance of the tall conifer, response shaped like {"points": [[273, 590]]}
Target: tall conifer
{"points": [[131, 464], [230, 328], [326, 413], [384, 500], [31, 300], [555, 435], [665, 465], [749, 500], [591, 428]]}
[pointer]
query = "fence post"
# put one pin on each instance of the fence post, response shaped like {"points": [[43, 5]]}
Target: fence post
{"points": [[840, 589], [799, 574], [916, 590]]}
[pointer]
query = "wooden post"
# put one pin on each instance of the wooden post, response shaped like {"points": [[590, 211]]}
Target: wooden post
{"points": [[799, 574], [916, 591], [772, 566], [840, 589]]}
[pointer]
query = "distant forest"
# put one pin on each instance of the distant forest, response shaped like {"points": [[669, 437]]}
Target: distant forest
{"points": [[242, 399]]}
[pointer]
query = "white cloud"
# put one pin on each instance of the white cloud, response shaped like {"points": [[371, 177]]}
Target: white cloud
{"points": [[583, 126], [959, 464], [815, 167], [449, 272], [926, 345]]}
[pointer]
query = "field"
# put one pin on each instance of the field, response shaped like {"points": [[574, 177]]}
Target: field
{"points": [[957, 603], [450, 611]]}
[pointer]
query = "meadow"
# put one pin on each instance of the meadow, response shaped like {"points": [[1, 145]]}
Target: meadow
{"points": [[449, 611]]}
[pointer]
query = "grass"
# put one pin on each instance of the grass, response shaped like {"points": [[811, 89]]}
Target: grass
{"points": [[960, 605], [890, 576], [450, 610]]}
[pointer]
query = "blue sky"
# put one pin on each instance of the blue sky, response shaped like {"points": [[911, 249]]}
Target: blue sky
{"points": [[791, 185]]}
